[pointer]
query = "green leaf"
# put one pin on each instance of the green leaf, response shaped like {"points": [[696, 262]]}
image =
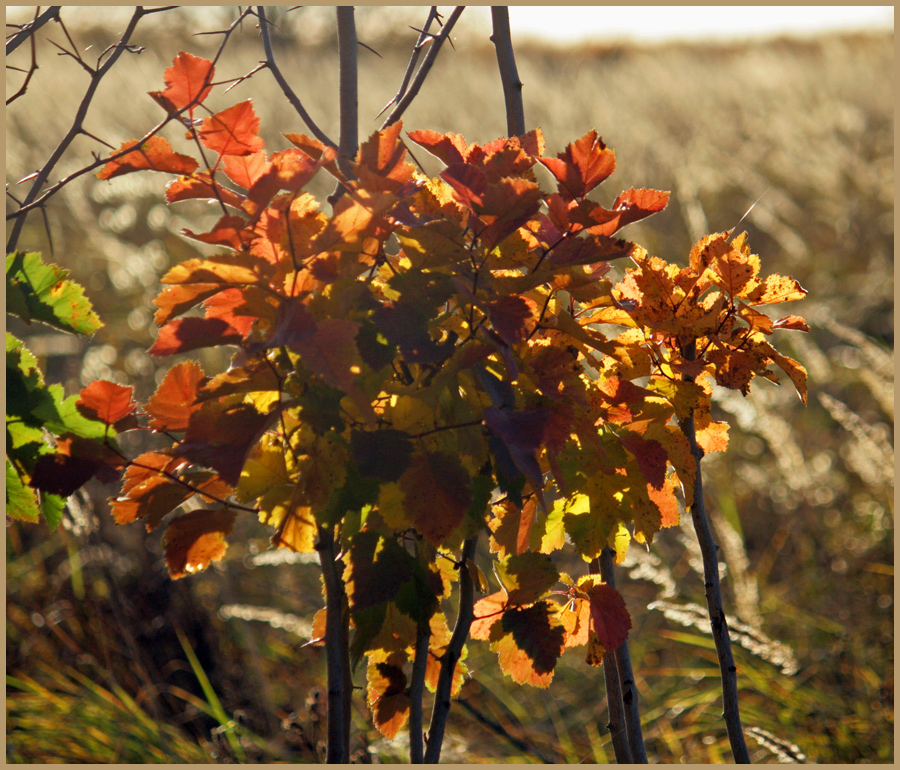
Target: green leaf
{"points": [[21, 501], [40, 292]]}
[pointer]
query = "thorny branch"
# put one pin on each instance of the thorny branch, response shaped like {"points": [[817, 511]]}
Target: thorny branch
{"points": [[424, 37], [34, 198], [506, 59], [283, 84], [425, 67], [28, 30]]}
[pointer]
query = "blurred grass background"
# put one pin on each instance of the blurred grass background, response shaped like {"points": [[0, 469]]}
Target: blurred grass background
{"points": [[108, 660]]}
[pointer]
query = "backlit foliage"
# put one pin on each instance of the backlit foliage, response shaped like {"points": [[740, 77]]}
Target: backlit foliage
{"points": [[432, 359]]}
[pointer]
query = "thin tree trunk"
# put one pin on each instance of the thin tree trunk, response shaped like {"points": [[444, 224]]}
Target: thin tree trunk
{"points": [[709, 548], [416, 692], [441, 709], [336, 652], [622, 656], [506, 59], [347, 50]]}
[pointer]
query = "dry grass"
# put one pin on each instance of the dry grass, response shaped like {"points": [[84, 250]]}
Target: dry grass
{"points": [[803, 500]]}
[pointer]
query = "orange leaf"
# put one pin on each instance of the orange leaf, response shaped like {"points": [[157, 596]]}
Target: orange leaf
{"points": [[584, 164], [247, 169], [154, 154], [189, 188], [776, 288], [192, 333], [187, 82], [230, 231], [486, 612], [232, 131], [174, 401], [388, 698], [196, 539], [106, 401]]}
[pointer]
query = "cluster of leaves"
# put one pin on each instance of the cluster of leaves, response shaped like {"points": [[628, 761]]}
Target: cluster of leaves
{"points": [[36, 291], [435, 358]]}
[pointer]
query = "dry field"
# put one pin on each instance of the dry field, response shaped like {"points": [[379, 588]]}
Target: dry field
{"points": [[802, 501]]}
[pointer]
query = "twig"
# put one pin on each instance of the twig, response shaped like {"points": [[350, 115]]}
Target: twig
{"points": [[28, 30], [506, 59], [424, 36], [34, 198], [283, 84], [709, 548], [423, 70], [622, 657], [416, 692], [451, 656], [32, 68], [336, 633]]}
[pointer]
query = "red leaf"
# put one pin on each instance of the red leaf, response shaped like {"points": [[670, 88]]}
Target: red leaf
{"points": [[584, 165], [229, 231], [175, 300], [195, 539], [650, 456], [192, 333], [232, 131], [154, 154], [75, 462], [106, 401], [513, 318], [792, 322], [187, 82], [173, 403], [609, 616]]}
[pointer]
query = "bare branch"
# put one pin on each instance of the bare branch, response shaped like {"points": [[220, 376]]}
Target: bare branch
{"points": [[32, 68], [506, 59], [709, 548], [424, 37], [347, 50], [28, 30], [34, 198], [283, 84], [427, 64]]}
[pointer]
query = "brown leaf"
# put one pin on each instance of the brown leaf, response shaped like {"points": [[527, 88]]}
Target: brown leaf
{"points": [[436, 494]]}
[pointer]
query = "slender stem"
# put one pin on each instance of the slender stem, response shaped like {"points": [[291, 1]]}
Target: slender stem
{"points": [[506, 59], [423, 70], [347, 50], [617, 728], [451, 656], [283, 84], [709, 548], [424, 36], [622, 655], [416, 692], [336, 633]]}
